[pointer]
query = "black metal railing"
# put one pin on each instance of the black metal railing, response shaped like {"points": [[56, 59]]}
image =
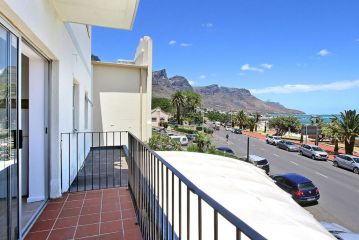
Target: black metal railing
{"points": [[93, 160], [169, 206]]}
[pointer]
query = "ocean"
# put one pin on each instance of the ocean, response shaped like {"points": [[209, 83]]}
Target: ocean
{"points": [[305, 118]]}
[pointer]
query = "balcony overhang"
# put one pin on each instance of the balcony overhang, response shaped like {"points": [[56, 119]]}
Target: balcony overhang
{"points": [[106, 13]]}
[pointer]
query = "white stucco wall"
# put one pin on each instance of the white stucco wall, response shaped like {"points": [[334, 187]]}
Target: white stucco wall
{"points": [[68, 47], [122, 94]]}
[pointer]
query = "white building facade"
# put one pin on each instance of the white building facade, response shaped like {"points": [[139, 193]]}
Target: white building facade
{"points": [[46, 90]]}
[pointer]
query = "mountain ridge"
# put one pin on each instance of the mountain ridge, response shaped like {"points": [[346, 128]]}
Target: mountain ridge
{"points": [[216, 97]]}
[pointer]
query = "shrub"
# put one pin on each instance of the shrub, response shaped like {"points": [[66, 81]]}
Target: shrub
{"points": [[192, 148], [208, 130], [163, 143], [199, 128], [185, 130]]}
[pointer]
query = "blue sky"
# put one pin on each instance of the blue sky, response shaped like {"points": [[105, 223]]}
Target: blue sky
{"points": [[301, 53]]}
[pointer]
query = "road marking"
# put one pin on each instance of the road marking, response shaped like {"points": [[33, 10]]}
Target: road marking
{"points": [[294, 163], [321, 174], [276, 155]]}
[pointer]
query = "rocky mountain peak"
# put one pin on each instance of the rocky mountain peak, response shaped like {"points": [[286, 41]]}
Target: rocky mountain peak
{"points": [[160, 74], [215, 96]]}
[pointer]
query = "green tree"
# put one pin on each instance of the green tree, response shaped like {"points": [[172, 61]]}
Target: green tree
{"points": [[241, 119], [251, 123], [164, 103], [163, 143], [349, 124], [178, 101], [282, 124], [192, 101], [333, 131], [316, 120], [257, 116], [203, 143]]}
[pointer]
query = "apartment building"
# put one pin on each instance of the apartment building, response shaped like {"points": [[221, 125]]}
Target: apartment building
{"points": [[46, 90]]}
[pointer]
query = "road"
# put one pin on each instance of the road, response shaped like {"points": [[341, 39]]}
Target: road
{"points": [[339, 188]]}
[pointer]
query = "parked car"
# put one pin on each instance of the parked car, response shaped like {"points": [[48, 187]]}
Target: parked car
{"points": [[339, 231], [237, 131], [347, 161], [313, 151], [181, 139], [259, 162], [228, 128], [191, 137], [288, 145], [226, 150], [301, 188], [273, 139]]}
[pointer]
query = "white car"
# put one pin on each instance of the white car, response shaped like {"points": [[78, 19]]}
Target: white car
{"points": [[183, 140], [228, 128], [273, 139]]}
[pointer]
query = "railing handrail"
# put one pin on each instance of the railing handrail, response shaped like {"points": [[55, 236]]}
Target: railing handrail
{"points": [[237, 222], [74, 132]]}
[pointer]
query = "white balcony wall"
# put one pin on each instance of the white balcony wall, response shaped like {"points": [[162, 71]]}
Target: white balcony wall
{"points": [[68, 47], [122, 95]]}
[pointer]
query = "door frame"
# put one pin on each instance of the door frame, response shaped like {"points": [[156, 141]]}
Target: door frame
{"points": [[46, 129], [22, 231]]}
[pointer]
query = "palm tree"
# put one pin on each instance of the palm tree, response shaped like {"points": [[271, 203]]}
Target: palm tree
{"points": [[241, 119], [257, 116], [251, 123], [178, 100], [193, 100], [349, 124]]}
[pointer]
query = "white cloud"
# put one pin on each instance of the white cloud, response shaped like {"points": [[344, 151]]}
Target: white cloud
{"points": [[247, 67], [295, 88], [186, 44], [191, 82], [267, 66], [207, 25], [323, 53], [202, 76], [172, 42]]}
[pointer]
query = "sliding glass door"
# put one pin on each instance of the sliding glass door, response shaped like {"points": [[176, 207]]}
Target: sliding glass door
{"points": [[8, 135]]}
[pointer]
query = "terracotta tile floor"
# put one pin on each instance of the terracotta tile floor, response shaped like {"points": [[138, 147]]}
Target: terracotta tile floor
{"points": [[99, 214]]}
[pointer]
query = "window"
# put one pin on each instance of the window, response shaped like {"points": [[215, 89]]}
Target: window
{"points": [[86, 111], [154, 119], [75, 107]]}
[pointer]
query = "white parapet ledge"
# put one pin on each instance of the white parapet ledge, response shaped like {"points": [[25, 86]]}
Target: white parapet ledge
{"points": [[107, 13], [120, 64], [244, 190]]}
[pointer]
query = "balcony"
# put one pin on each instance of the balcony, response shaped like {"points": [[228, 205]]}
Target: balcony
{"points": [[114, 186]]}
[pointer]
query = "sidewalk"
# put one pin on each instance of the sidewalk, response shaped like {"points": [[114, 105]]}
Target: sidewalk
{"points": [[326, 147]]}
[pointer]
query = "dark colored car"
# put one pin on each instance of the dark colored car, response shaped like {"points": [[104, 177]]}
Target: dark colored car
{"points": [[237, 131], [191, 137], [301, 188], [288, 145], [226, 150]]}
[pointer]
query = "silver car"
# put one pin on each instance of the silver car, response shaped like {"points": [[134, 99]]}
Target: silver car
{"points": [[288, 145], [347, 161], [313, 152], [339, 231]]}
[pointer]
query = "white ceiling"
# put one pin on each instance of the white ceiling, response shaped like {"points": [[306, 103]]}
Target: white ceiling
{"points": [[107, 13]]}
